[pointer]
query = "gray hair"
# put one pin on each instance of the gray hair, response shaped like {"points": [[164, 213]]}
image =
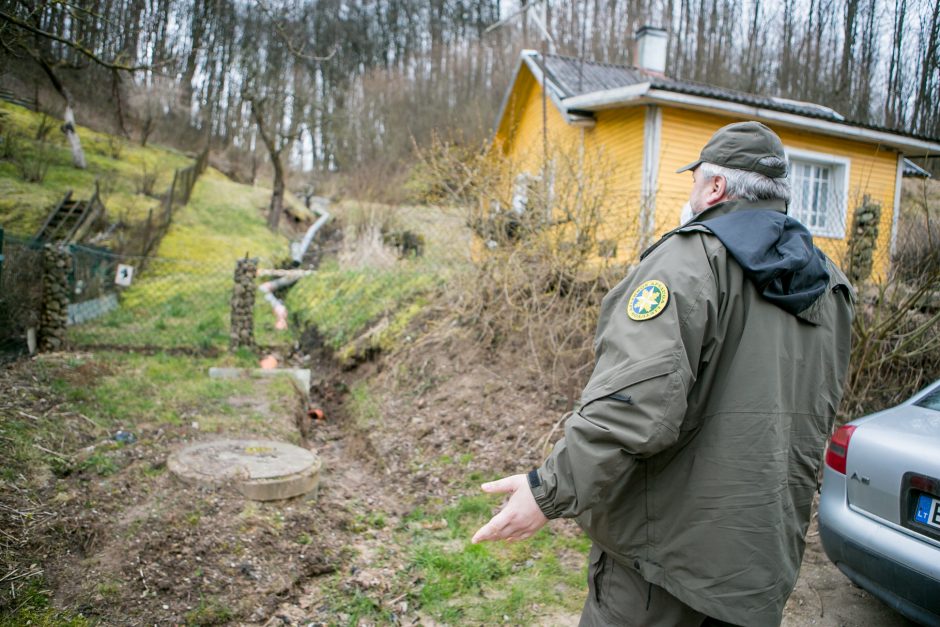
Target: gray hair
{"points": [[750, 185]]}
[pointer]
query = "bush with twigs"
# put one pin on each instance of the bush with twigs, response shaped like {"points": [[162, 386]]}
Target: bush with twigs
{"points": [[32, 159], [544, 258], [896, 331], [146, 179]]}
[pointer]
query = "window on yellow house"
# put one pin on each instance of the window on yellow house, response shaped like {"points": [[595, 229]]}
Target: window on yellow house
{"points": [[818, 197]]}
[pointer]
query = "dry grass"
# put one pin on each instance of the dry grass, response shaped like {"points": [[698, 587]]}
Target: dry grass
{"points": [[364, 227]]}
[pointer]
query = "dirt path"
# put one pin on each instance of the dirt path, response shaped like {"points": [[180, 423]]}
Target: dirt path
{"points": [[824, 597]]}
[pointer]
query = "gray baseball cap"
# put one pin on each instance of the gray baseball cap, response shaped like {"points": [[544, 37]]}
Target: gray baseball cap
{"points": [[743, 146]]}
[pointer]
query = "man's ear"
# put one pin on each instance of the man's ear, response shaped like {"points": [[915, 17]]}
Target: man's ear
{"points": [[715, 192]]}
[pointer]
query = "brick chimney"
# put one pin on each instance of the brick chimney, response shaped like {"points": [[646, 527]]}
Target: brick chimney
{"points": [[651, 49]]}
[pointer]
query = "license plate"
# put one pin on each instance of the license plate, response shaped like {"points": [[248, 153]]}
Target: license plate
{"points": [[927, 511]]}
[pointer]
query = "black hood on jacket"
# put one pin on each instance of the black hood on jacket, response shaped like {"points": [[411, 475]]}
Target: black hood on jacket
{"points": [[777, 255]]}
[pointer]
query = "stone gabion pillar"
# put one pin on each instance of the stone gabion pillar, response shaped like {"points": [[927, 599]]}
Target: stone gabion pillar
{"points": [[863, 240], [56, 265], [243, 304]]}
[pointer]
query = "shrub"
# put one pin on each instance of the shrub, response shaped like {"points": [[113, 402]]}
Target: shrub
{"points": [[146, 179], [896, 331], [32, 161], [542, 269], [44, 127]]}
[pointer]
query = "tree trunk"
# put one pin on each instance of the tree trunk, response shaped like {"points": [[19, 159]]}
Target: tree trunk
{"points": [[894, 101], [78, 155], [275, 153], [844, 88], [277, 196]]}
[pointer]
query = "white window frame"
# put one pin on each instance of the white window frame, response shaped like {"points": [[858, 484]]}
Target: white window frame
{"points": [[839, 181]]}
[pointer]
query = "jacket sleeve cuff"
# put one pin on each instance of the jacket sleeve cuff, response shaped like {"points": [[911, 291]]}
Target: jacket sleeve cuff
{"points": [[544, 493]]}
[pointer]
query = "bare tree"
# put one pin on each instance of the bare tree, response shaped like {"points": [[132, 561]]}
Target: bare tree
{"points": [[24, 31]]}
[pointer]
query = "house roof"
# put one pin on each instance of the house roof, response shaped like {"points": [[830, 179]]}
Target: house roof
{"points": [[579, 77], [579, 87], [914, 170]]}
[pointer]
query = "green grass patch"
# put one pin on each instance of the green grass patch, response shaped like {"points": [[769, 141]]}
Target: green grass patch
{"points": [[108, 391], [462, 583], [182, 298], [209, 612], [345, 303], [223, 221], [100, 463], [132, 389], [354, 607], [119, 165], [32, 607], [482, 583], [364, 305]]}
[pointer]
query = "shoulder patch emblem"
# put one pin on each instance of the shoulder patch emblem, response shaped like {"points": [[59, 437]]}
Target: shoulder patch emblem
{"points": [[648, 301]]}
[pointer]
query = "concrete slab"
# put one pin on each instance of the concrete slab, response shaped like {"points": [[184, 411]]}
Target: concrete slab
{"points": [[301, 375], [261, 470]]}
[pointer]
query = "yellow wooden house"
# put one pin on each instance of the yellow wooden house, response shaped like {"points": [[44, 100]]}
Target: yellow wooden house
{"points": [[643, 126]]}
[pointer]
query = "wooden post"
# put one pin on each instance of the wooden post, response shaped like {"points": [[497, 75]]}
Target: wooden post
{"points": [[173, 189]]}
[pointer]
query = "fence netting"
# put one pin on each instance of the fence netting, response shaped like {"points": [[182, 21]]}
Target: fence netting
{"points": [[155, 302], [20, 291]]}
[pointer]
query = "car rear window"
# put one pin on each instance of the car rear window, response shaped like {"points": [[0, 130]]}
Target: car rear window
{"points": [[931, 401]]}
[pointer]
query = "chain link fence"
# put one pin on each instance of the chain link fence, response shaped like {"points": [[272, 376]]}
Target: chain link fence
{"points": [[155, 302], [125, 302]]}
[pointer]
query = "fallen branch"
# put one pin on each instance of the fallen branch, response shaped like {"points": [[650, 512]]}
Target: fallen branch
{"points": [[51, 452], [8, 577]]}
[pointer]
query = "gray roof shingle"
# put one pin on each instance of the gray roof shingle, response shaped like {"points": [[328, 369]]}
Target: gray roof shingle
{"points": [[575, 77]]}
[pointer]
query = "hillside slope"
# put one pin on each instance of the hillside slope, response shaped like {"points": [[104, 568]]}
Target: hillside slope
{"points": [[31, 142]]}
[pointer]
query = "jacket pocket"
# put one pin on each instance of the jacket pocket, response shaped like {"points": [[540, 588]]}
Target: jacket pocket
{"points": [[614, 382], [639, 408], [596, 562]]}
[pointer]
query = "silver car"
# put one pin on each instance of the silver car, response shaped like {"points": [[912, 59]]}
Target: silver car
{"points": [[879, 513]]}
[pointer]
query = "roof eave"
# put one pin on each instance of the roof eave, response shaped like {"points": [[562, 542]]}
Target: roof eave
{"points": [[505, 103], [608, 98], [912, 169], [908, 145], [643, 93], [529, 58]]}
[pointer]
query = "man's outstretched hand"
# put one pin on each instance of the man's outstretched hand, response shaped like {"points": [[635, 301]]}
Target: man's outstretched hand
{"points": [[519, 519]]}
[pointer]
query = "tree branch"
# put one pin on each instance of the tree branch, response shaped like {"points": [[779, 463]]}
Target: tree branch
{"points": [[291, 47], [13, 20]]}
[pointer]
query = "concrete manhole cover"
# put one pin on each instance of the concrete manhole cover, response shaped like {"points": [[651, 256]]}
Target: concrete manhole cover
{"points": [[262, 470]]}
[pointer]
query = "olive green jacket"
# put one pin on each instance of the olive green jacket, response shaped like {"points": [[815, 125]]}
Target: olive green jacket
{"points": [[694, 452]]}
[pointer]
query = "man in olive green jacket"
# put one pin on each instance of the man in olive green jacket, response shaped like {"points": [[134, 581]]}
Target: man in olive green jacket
{"points": [[691, 460]]}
